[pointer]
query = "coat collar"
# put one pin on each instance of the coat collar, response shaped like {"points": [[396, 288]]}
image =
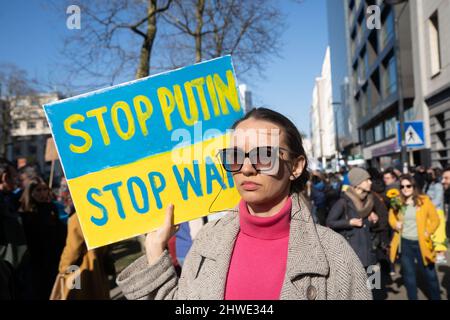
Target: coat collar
{"points": [[306, 255]]}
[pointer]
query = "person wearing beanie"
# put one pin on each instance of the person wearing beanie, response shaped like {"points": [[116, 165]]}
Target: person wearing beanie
{"points": [[354, 218]]}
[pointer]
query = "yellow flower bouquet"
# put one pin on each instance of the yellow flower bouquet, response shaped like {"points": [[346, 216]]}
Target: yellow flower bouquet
{"points": [[394, 199]]}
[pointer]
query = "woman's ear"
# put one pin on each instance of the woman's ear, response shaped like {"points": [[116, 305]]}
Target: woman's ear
{"points": [[298, 167]]}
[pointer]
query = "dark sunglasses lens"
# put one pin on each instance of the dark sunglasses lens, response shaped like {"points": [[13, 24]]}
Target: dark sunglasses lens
{"points": [[408, 186], [232, 159], [263, 158]]}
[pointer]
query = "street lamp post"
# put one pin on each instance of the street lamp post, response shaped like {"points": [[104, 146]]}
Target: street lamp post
{"points": [[401, 107]]}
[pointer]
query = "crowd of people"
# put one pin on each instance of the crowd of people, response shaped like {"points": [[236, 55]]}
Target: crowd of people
{"points": [[41, 241], [389, 217]]}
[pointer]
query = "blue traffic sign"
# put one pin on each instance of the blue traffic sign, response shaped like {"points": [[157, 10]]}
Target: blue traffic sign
{"points": [[414, 134]]}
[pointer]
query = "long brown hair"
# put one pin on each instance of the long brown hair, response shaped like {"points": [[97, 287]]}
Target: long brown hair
{"points": [[27, 203], [416, 196]]}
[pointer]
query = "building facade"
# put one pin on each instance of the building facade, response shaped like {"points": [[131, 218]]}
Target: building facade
{"points": [[373, 56], [246, 97], [346, 129], [30, 130], [431, 53], [323, 138]]}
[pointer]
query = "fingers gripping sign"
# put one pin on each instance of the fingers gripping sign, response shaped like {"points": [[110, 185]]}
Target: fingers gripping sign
{"points": [[157, 240]]}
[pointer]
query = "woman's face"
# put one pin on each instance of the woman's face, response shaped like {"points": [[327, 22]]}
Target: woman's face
{"points": [[406, 188], [40, 193], [263, 187]]}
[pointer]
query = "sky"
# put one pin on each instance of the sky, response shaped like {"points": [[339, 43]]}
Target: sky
{"points": [[31, 37]]}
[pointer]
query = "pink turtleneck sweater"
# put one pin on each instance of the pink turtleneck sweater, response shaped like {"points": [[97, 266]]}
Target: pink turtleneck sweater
{"points": [[258, 262]]}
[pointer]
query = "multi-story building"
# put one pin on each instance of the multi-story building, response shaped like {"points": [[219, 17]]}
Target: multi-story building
{"points": [[322, 117], [246, 97], [431, 55], [30, 130], [347, 132], [373, 57]]}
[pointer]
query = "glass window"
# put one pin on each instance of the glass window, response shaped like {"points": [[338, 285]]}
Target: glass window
{"points": [[410, 114], [435, 55], [364, 105], [31, 124], [366, 61], [379, 132], [390, 127], [369, 136], [392, 71], [387, 29]]}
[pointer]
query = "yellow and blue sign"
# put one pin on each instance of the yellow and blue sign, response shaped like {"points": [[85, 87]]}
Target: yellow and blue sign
{"points": [[128, 151]]}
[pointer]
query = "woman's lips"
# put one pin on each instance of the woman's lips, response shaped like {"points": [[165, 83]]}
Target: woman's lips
{"points": [[249, 186]]}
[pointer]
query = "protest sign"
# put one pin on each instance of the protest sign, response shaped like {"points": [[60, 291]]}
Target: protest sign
{"points": [[50, 150], [129, 150]]}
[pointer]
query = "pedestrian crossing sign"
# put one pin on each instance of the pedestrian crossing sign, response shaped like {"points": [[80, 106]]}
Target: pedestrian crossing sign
{"points": [[413, 134]]}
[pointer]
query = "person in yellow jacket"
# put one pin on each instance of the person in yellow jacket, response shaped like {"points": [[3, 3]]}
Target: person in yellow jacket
{"points": [[414, 224], [435, 190]]}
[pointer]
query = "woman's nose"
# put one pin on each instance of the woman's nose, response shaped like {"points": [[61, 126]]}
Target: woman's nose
{"points": [[247, 168]]}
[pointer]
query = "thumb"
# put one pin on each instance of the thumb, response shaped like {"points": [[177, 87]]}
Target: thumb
{"points": [[168, 222]]}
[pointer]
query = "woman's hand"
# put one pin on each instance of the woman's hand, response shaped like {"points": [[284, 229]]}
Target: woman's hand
{"points": [[356, 222], [156, 241], [399, 226]]}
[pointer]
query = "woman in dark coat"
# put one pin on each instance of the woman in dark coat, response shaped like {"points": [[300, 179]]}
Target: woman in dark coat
{"points": [[46, 236], [353, 216]]}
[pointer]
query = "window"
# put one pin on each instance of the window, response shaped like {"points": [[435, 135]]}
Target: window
{"points": [[31, 125], [389, 76], [387, 30], [379, 132], [410, 114], [364, 104], [390, 126], [392, 71], [369, 136], [435, 55], [45, 124], [16, 125]]}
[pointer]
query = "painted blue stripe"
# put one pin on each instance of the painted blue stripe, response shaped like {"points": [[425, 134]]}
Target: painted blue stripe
{"points": [[158, 140]]}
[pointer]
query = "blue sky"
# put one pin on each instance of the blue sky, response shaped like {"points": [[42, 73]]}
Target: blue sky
{"points": [[31, 33]]}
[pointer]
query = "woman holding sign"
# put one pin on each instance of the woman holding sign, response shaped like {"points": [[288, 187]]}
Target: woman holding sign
{"points": [[268, 247]]}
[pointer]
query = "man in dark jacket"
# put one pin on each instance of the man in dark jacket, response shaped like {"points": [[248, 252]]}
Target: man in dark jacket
{"points": [[318, 198], [421, 177], [13, 246], [353, 216]]}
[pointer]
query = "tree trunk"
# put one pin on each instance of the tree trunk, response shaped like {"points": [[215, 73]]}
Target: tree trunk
{"points": [[198, 31], [146, 49]]}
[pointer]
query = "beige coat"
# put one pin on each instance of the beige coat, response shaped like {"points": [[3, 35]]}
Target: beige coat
{"points": [[320, 264], [92, 276]]}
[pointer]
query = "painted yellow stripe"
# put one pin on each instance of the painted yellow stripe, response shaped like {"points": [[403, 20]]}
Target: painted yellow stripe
{"points": [[134, 223]]}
